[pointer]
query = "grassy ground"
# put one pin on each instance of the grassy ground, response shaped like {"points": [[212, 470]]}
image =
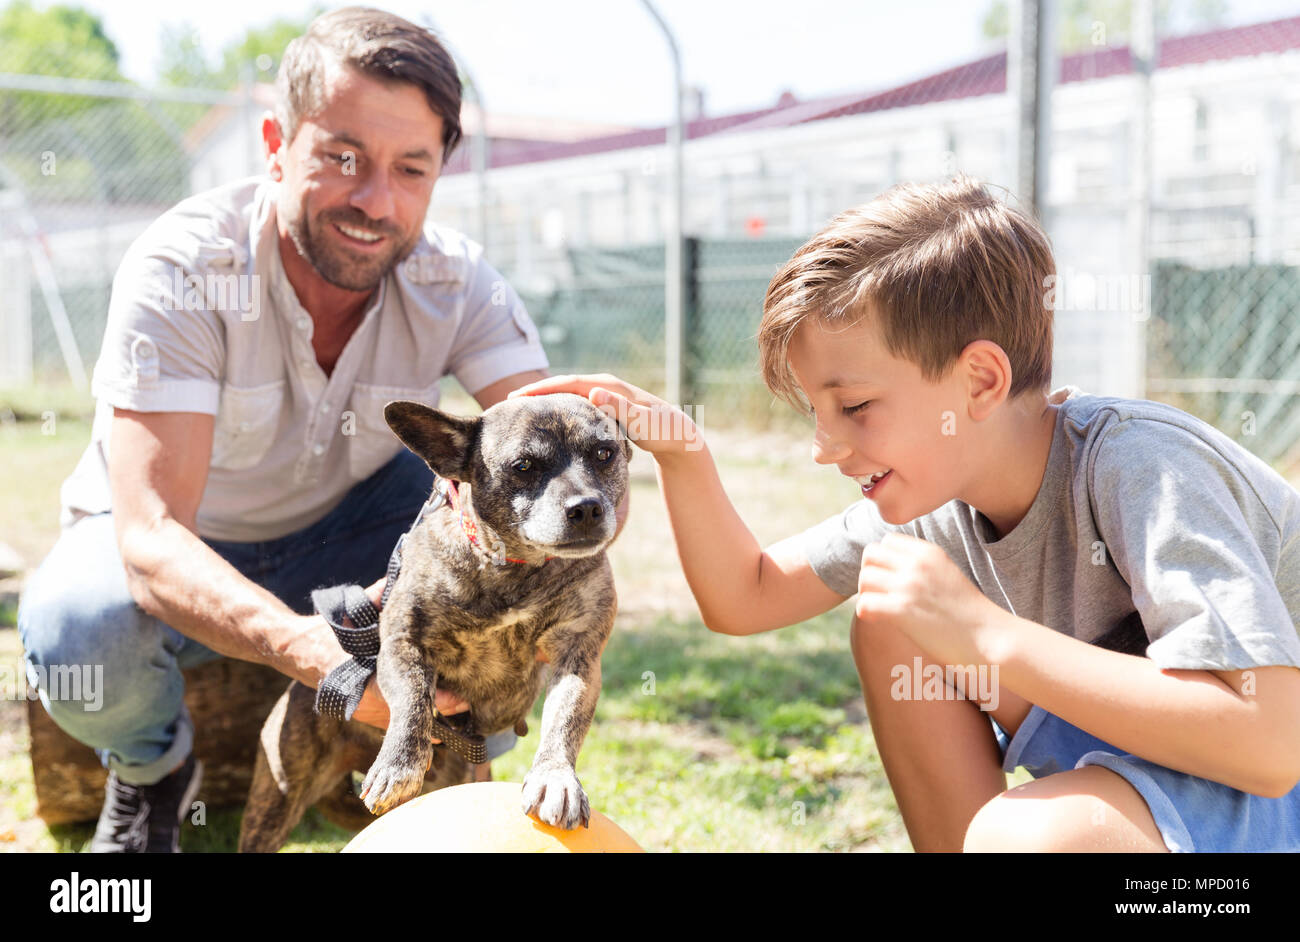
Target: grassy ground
{"points": [[701, 742]]}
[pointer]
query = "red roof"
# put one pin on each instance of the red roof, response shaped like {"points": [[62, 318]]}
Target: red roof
{"points": [[508, 153], [986, 76]]}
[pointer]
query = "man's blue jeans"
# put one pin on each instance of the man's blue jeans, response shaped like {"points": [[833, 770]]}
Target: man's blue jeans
{"points": [[76, 610]]}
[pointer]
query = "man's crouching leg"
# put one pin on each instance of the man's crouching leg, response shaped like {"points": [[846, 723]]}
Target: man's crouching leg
{"points": [[109, 675]]}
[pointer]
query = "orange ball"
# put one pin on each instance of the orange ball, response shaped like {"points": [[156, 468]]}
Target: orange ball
{"points": [[482, 817]]}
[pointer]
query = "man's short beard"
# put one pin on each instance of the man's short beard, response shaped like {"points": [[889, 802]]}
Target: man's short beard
{"points": [[340, 271]]}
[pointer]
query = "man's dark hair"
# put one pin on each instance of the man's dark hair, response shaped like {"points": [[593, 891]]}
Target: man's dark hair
{"points": [[378, 44]]}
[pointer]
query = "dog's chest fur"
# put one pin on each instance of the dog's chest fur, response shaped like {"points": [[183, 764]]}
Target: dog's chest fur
{"points": [[482, 623]]}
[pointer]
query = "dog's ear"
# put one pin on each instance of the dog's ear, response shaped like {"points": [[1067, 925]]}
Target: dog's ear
{"points": [[442, 440]]}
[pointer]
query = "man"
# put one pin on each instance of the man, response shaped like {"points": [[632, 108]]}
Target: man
{"points": [[239, 456]]}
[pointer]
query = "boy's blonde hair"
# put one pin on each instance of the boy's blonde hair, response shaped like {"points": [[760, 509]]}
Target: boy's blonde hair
{"points": [[943, 265]]}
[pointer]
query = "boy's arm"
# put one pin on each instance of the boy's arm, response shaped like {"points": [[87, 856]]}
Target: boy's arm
{"points": [[1233, 727], [740, 587]]}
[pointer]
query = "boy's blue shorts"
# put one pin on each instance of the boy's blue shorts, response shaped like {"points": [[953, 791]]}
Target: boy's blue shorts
{"points": [[1193, 814]]}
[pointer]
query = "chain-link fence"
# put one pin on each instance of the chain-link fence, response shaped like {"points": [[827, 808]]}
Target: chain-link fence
{"points": [[86, 164], [1224, 345], [83, 175], [609, 316]]}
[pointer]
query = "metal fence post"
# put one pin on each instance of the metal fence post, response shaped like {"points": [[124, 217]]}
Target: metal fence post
{"points": [[674, 287], [1031, 75], [1142, 48], [694, 356]]}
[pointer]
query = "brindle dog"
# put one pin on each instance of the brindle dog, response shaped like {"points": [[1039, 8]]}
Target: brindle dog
{"points": [[539, 479]]}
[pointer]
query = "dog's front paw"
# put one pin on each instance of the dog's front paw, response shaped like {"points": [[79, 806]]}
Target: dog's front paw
{"points": [[387, 786], [556, 797]]}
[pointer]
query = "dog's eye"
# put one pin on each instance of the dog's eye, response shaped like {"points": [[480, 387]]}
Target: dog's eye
{"points": [[604, 454], [523, 465]]}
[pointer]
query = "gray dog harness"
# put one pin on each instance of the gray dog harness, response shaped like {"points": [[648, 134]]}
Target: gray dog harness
{"points": [[340, 692]]}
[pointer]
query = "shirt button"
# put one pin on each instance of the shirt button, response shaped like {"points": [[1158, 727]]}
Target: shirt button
{"points": [[325, 407], [318, 449], [244, 426], [304, 323]]}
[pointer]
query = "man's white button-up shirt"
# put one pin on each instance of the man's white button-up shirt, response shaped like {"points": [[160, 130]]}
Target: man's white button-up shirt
{"points": [[203, 319]]}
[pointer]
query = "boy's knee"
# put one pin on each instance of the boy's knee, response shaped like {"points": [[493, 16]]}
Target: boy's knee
{"points": [[1009, 825], [77, 602], [1059, 813], [999, 827], [873, 643]]}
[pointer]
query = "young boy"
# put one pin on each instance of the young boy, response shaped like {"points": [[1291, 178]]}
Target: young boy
{"points": [[1128, 576]]}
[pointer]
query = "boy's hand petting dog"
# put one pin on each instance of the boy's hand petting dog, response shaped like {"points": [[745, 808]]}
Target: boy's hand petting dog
{"points": [[911, 585], [656, 426]]}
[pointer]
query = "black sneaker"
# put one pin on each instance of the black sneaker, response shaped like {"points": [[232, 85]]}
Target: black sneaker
{"points": [[139, 819]]}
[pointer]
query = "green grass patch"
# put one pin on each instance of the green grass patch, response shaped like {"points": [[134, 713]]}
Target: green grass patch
{"points": [[216, 831], [702, 742], [37, 401], [710, 742], [39, 456]]}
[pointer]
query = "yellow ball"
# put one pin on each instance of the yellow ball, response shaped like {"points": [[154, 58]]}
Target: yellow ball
{"points": [[482, 817]]}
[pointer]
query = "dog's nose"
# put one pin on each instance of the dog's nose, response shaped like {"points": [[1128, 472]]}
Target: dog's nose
{"points": [[583, 511]]}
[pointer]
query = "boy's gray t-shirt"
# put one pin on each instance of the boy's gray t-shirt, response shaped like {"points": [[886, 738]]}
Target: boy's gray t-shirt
{"points": [[1143, 508]]}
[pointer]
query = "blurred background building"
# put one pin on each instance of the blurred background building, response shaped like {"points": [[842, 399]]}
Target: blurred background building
{"points": [[1182, 288]]}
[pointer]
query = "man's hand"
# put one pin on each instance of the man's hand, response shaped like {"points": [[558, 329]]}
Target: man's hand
{"points": [[373, 710], [912, 586]]}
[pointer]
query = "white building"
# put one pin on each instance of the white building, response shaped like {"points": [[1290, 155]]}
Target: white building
{"points": [[1225, 153], [1225, 147]]}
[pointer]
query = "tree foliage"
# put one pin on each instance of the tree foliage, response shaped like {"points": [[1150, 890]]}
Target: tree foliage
{"points": [[67, 147], [254, 57], [59, 40]]}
